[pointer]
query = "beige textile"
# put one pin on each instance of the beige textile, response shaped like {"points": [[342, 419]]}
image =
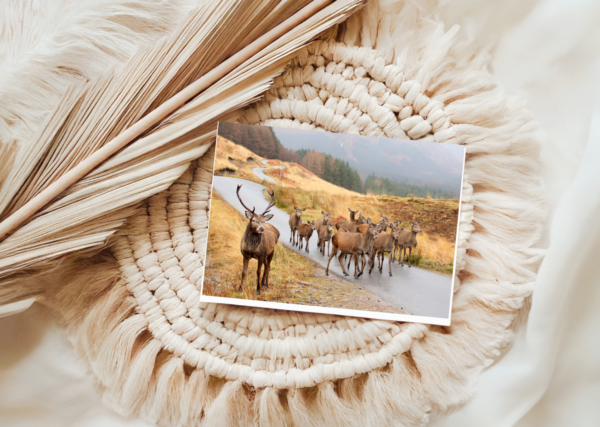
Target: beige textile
{"points": [[360, 372]]}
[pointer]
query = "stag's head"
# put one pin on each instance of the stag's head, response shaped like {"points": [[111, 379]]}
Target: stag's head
{"points": [[257, 221], [312, 225], [326, 215], [415, 227], [298, 212]]}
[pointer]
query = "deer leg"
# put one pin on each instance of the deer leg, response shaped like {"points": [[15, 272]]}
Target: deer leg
{"points": [[349, 261], [331, 256], [390, 263], [400, 256], [340, 259], [409, 256], [307, 250], [267, 270], [363, 264], [258, 269], [244, 271], [291, 234]]}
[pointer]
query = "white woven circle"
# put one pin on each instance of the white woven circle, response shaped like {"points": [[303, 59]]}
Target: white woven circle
{"points": [[256, 362]]}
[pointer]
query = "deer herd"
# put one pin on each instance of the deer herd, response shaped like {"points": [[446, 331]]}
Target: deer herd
{"points": [[357, 238]]}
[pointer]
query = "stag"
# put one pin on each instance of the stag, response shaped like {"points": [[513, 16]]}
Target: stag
{"points": [[353, 244], [324, 232], [259, 241], [295, 221], [385, 242], [407, 239], [305, 231]]}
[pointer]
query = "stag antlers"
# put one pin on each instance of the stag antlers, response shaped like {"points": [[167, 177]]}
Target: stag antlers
{"points": [[252, 211]]}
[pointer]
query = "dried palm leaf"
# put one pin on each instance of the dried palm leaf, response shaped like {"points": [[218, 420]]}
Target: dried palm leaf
{"points": [[62, 194]]}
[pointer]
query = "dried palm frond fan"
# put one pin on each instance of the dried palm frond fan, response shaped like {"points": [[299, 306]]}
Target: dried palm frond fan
{"points": [[132, 308]]}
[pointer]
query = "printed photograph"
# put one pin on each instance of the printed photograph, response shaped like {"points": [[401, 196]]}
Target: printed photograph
{"points": [[343, 224]]}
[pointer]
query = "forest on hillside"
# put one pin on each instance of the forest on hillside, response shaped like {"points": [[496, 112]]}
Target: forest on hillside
{"points": [[384, 186], [258, 139], [332, 170]]}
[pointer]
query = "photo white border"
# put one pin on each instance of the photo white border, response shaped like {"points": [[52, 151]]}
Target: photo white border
{"points": [[330, 310]]}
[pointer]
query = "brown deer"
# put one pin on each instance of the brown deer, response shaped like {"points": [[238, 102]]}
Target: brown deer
{"points": [[386, 221], [295, 221], [259, 241], [353, 244], [407, 239], [324, 232], [385, 242], [396, 226], [305, 231], [362, 228], [352, 224], [319, 223]]}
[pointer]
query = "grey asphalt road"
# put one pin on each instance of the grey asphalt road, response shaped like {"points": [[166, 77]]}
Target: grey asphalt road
{"points": [[416, 291], [260, 172]]}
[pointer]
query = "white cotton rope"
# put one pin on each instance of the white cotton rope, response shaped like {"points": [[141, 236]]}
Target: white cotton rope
{"points": [[175, 361]]}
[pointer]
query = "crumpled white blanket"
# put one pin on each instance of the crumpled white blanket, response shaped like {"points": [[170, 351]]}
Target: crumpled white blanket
{"points": [[547, 51]]}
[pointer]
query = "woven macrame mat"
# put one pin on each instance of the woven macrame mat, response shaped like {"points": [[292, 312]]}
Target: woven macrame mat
{"points": [[158, 353]]}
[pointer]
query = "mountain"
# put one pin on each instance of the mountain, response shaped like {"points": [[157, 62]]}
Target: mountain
{"points": [[419, 162]]}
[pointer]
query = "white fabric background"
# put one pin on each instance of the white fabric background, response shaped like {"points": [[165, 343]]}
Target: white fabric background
{"points": [[546, 51]]}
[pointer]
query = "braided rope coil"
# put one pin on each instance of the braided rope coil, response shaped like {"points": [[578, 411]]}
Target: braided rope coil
{"points": [[165, 356]]}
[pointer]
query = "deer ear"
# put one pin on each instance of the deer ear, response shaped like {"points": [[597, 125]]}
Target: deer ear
{"points": [[369, 221], [322, 213], [295, 207], [303, 209], [268, 217], [249, 214]]}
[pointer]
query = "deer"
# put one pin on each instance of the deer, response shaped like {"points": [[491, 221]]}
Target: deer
{"points": [[353, 244], [259, 241], [407, 239], [324, 233], [295, 221], [385, 242], [319, 223], [396, 226], [362, 228], [386, 221], [352, 224], [305, 231]]}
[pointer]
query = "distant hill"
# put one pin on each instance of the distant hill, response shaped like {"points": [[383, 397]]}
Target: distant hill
{"points": [[419, 162]]}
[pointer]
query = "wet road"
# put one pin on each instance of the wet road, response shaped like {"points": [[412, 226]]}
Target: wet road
{"points": [[415, 291], [260, 172]]}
